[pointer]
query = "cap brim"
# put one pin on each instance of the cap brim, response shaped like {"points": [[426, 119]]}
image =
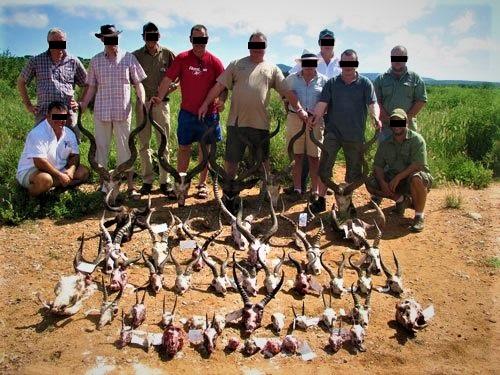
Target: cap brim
{"points": [[98, 35]]}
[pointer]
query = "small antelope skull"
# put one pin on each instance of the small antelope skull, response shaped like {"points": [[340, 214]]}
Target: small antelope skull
{"points": [[272, 278], [109, 309], [394, 282], [360, 313], [364, 282], [138, 312], [336, 281]]}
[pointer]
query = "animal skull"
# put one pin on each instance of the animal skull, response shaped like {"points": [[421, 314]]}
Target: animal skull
{"points": [[278, 321], [394, 283], [361, 313], [336, 281], [138, 311], [410, 315]]}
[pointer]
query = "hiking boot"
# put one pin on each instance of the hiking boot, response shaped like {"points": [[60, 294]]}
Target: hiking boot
{"points": [[399, 208], [318, 206], [418, 224], [146, 189]]}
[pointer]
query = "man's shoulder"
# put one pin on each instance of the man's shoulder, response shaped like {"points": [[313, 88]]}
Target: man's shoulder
{"points": [[39, 132], [364, 80], [138, 52], [97, 56], [415, 137], [183, 55]]}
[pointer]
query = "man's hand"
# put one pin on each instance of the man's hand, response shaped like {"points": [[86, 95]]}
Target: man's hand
{"points": [[32, 109], [384, 116], [302, 114], [155, 100], [393, 184], [64, 179], [73, 104], [220, 105], [83, 107], [377, 124], [202, 111]]}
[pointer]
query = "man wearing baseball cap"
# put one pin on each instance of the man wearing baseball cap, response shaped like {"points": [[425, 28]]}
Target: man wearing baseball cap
{"points": [[400, 169]]}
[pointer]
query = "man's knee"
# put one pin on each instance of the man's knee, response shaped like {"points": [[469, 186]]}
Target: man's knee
{"points": [[40, 183], [417, 183], [82, 173]]}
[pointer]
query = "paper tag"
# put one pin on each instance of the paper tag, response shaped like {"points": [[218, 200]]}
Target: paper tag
{"points": [[195, 335], [234, 315], [341, 312], [86, 267], [155, 338], [312, 322], [303, 219], [260, 342], [159, 228], [139, 338], [188, 244], [428, 313], [306, 352]]}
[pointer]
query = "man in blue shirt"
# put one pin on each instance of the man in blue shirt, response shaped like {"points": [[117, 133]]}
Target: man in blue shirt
{"points": [[347, 99]]}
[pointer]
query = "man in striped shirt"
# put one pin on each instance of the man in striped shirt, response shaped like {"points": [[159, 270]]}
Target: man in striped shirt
{"points": [[110, 75]]}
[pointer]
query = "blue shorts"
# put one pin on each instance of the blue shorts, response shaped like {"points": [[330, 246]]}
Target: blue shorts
{"points": [[190, 129]]}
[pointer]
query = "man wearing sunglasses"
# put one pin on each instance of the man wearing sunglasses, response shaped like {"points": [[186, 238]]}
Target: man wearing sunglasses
{"points": [[347, 99], [50, 156], [196, 70]]}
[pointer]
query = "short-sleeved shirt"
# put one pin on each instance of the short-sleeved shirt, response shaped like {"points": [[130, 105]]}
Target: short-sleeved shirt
{"points": [[400, 92], [307, 94], [113, 77], [330, 70], [251, 84], [196, 76], [395, 157], [347, 107], [54, 81], [154, 67], [42, 142]]}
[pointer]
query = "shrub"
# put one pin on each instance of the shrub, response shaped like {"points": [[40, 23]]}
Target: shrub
{"points": [[466, 171]]}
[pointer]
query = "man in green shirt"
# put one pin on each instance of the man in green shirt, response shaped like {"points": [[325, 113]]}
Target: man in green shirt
{"points": [[399, 88], [155, 60], [400, 169]]}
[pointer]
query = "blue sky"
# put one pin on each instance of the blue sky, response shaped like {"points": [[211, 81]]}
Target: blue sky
{"points": [[445, 39]]}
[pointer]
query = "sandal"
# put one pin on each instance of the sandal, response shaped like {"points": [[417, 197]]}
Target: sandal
{"points": [[202, 192]]}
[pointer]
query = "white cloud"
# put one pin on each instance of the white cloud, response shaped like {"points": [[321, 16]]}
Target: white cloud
{"points": [[293, 40], [463, 23], [28, 18]]}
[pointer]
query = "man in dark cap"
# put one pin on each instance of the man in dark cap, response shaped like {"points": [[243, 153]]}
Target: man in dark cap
{"points": [[155, 60]]}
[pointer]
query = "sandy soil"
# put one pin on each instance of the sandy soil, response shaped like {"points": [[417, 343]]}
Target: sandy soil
{"points": [[444, 266]]}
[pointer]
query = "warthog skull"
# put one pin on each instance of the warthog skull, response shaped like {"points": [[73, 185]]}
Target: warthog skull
{"points": [[410, 315]]}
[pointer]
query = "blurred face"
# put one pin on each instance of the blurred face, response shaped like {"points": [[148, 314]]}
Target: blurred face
{"points": [[308, 72], [398, 131], [53, 118], [57, 52], [151, 44], [110, 48], [257, 54], [398, 67], [198, 49], [326, 50], [349, 71]]}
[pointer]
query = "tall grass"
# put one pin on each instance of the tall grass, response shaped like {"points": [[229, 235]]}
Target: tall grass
{"points": [[461, 127]]}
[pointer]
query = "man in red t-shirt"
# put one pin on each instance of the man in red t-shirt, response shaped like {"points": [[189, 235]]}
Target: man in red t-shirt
{"points": [[197, 71]]}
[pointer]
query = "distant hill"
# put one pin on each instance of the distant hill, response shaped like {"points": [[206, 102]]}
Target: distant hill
{"points": [[429, 81]]}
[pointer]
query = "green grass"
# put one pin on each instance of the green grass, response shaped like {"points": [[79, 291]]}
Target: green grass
{"points": [[461, 126], [493, 262]]}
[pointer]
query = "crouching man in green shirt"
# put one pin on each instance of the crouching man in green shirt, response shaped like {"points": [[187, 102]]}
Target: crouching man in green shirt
{"points": [[400, 169]]}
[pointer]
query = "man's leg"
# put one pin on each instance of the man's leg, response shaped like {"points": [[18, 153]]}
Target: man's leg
{"points": [[297, 172], [161, 114], [144, 151], [40, 182], [103, 133], [418, 191], [235, 150], [328, 161], [313, 153], [121, 130]]}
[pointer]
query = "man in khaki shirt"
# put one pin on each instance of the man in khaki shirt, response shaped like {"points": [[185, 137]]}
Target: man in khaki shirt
{"points": [[155, 60], [250, 79]]}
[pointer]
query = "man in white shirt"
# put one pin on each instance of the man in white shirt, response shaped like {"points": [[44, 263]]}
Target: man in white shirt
{"points": [[50, 156]]}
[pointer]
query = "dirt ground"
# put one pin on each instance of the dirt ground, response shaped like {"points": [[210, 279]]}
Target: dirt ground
{"points": [[445, 266]]}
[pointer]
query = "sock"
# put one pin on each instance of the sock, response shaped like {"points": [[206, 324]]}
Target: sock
{"points": [[400, 199], [419, 214]]}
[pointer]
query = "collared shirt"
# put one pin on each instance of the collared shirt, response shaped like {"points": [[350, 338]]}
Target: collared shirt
{"points": [[251, 84], [330, 70], [307, 93], [402, 92], [113, 78], [347, 107], [395, 157], [196, 77], [42, 142], [54, 81], [154, 66]]}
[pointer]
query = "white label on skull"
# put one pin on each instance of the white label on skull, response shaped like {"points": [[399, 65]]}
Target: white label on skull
{"points": [[428, 313], [159, 228], [188, 244], [139, 338], [303, 219], [86, 267], [195, 335], [155, 338], [306, 353]]}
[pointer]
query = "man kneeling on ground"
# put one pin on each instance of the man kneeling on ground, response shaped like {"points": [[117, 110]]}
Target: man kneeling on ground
{"points": [[401, 170], [50, 156]]}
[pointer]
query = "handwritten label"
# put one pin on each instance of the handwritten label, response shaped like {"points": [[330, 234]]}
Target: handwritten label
{"points": [[159, 228], [428, 313], [188, 244], [155, 338], [86, 267], [139, 338], [306, 353], [195, 335], [303, 219]]}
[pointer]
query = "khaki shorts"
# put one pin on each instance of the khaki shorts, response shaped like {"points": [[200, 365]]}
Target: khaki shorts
{"points": [[404, 185], [293, 126], [24, 177]]}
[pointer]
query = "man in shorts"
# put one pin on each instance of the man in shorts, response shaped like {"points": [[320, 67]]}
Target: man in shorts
{"points": [[400, 169], [50, 156]]}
